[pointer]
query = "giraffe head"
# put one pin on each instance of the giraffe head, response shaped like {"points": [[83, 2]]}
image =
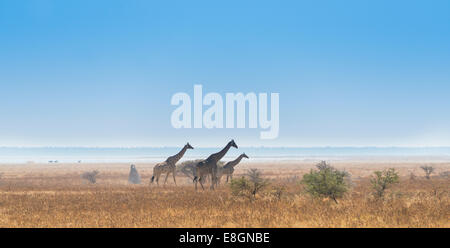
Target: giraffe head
{"points": [[244, 155], [188, 146], [233, 144]]}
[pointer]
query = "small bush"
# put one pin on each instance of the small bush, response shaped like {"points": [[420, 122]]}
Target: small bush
{"points": [[327, 182], [240, 187], [248, 186], [188, 167], [323, 165], [445, 174], [90, 176], [278, 191], [428, 170], [381, 180]]}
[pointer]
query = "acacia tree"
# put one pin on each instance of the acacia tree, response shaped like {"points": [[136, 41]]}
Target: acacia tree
{"points": [[381, 180], [428, 170], [326, 182], [250, 185]]}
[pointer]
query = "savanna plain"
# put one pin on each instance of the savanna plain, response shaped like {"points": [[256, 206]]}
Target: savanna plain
{"points": [[55, 195]]}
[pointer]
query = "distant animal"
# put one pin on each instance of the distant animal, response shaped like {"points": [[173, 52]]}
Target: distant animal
{"points": [[228, 168], [169, 166], [209, 166]]}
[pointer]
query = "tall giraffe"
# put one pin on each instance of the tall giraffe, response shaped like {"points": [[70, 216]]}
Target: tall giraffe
{"points": [[228, 168], [209, 166], [169, 166]]}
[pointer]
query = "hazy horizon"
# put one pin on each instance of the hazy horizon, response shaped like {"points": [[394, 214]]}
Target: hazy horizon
{"points": [[303, 147], [147, 154]]}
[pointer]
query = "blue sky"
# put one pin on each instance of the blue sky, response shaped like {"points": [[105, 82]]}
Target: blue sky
{"points": [[102, 73]]}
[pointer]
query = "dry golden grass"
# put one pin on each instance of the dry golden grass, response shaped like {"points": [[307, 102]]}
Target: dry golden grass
{"points": [[56, 196]]}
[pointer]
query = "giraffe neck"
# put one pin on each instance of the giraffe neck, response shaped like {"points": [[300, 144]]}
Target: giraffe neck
{"points": [[178, 156], [218, 156], [237, 161]]}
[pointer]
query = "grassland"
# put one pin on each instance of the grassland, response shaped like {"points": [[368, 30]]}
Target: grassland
{"points": [[41, 195]]}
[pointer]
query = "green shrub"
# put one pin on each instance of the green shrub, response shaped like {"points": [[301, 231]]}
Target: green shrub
{"points": [[250, 185], [326, 182], [240, 186], [381, 180]]}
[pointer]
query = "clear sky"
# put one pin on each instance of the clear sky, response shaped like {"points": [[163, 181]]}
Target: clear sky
{"points": [[102, 73]]}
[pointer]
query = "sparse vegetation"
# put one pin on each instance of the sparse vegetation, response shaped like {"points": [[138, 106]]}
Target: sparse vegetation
{"points": [[412, 177], [326, 182], [381, 180], [47, 196], [428, 170], [278, 191], [249, 186], [445, 174], [90, 176]]}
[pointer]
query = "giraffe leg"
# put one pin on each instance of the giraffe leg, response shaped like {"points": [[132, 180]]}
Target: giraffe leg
{"points": [[227, 177], [157, 178], [196, 181], [201, 182], [167, 175], [213, 181], [174, 180]]}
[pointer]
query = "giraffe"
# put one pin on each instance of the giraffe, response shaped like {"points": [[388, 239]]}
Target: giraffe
{"points": [[169, 166], [228, 168], [209, 166]]}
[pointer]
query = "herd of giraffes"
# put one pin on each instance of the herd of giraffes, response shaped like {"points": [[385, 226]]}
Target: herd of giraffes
{"points": [[202, 169]]}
